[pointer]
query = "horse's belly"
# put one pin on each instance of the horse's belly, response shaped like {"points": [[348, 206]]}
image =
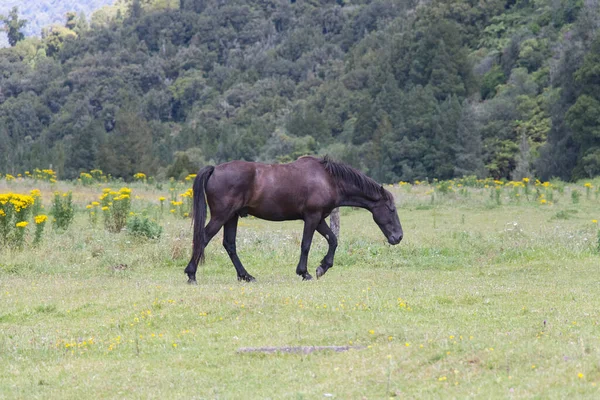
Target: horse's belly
{"points": [[273, 214]]}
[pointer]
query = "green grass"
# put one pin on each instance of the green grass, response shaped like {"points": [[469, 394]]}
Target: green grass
{"points": [[479, 300]]}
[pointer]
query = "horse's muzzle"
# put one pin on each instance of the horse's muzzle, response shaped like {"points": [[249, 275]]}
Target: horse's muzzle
{"points": [[395, 239]]}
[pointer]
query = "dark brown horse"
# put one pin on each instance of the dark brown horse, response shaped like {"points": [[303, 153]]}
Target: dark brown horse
{"points": [[307, 189]]}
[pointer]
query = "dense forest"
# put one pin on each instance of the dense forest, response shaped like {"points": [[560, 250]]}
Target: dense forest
{"points": [[41, 14], [403, 90]]}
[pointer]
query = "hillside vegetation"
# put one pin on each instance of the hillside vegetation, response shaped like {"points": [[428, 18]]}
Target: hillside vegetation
{"points": [[406, 90]]}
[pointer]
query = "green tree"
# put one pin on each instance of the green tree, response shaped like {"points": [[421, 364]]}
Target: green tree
{"points": [[305, 121], [376, 159], [13, 26], [128, 148], [468, 147], [365, 124], [71, 22], [584, 119], [193, 5]]}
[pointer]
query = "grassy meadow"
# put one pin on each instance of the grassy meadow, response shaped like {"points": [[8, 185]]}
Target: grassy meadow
{"points": [[493, 293]]}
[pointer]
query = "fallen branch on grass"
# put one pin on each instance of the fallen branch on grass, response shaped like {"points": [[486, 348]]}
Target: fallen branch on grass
{"points": [[296, 349]]}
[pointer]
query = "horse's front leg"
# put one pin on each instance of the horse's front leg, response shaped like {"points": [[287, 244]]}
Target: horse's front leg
{"points": [[327, 261], [229, 233], [310, 224]]}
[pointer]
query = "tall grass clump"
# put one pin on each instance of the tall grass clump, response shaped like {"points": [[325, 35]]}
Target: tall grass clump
{"points": [[575, 196]]}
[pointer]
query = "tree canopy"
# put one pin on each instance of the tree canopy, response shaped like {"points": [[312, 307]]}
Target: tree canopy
{"points": [[402, 90]]}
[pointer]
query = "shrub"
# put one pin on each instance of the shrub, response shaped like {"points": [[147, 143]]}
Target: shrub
{"points": [[98, 175], [445, 187], [86, 179], [62, 210], [93, 208], [46, 175], [14, 211], [115, 208], [140, 177], [144, 227]]}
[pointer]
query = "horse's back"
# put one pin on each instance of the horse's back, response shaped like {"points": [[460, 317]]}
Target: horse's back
{"points": [[271, 191]]}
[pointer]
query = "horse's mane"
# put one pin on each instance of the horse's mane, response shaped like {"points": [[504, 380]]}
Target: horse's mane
{"points": [[347, 174]]}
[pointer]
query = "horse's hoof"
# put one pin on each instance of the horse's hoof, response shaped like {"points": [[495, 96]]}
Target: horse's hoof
{"points": [[320, 272], [306, 277], [192, 282], [247, 278]]}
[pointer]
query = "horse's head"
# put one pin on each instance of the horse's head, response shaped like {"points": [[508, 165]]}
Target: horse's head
{"points": [[386, 217]]}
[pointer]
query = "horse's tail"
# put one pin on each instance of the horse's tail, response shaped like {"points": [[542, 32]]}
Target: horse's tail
{"points": [[199, 212]]}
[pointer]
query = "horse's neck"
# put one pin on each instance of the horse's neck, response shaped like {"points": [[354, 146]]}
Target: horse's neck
{"points": [[355, 198]]}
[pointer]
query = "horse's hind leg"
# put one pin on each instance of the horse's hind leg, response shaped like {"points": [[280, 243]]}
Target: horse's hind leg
{"points": [[229, 234], [211, 230], [327, 261]]}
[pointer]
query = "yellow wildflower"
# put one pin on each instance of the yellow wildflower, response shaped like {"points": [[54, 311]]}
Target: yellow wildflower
{"points": [[22, 224], [40, 219]]}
